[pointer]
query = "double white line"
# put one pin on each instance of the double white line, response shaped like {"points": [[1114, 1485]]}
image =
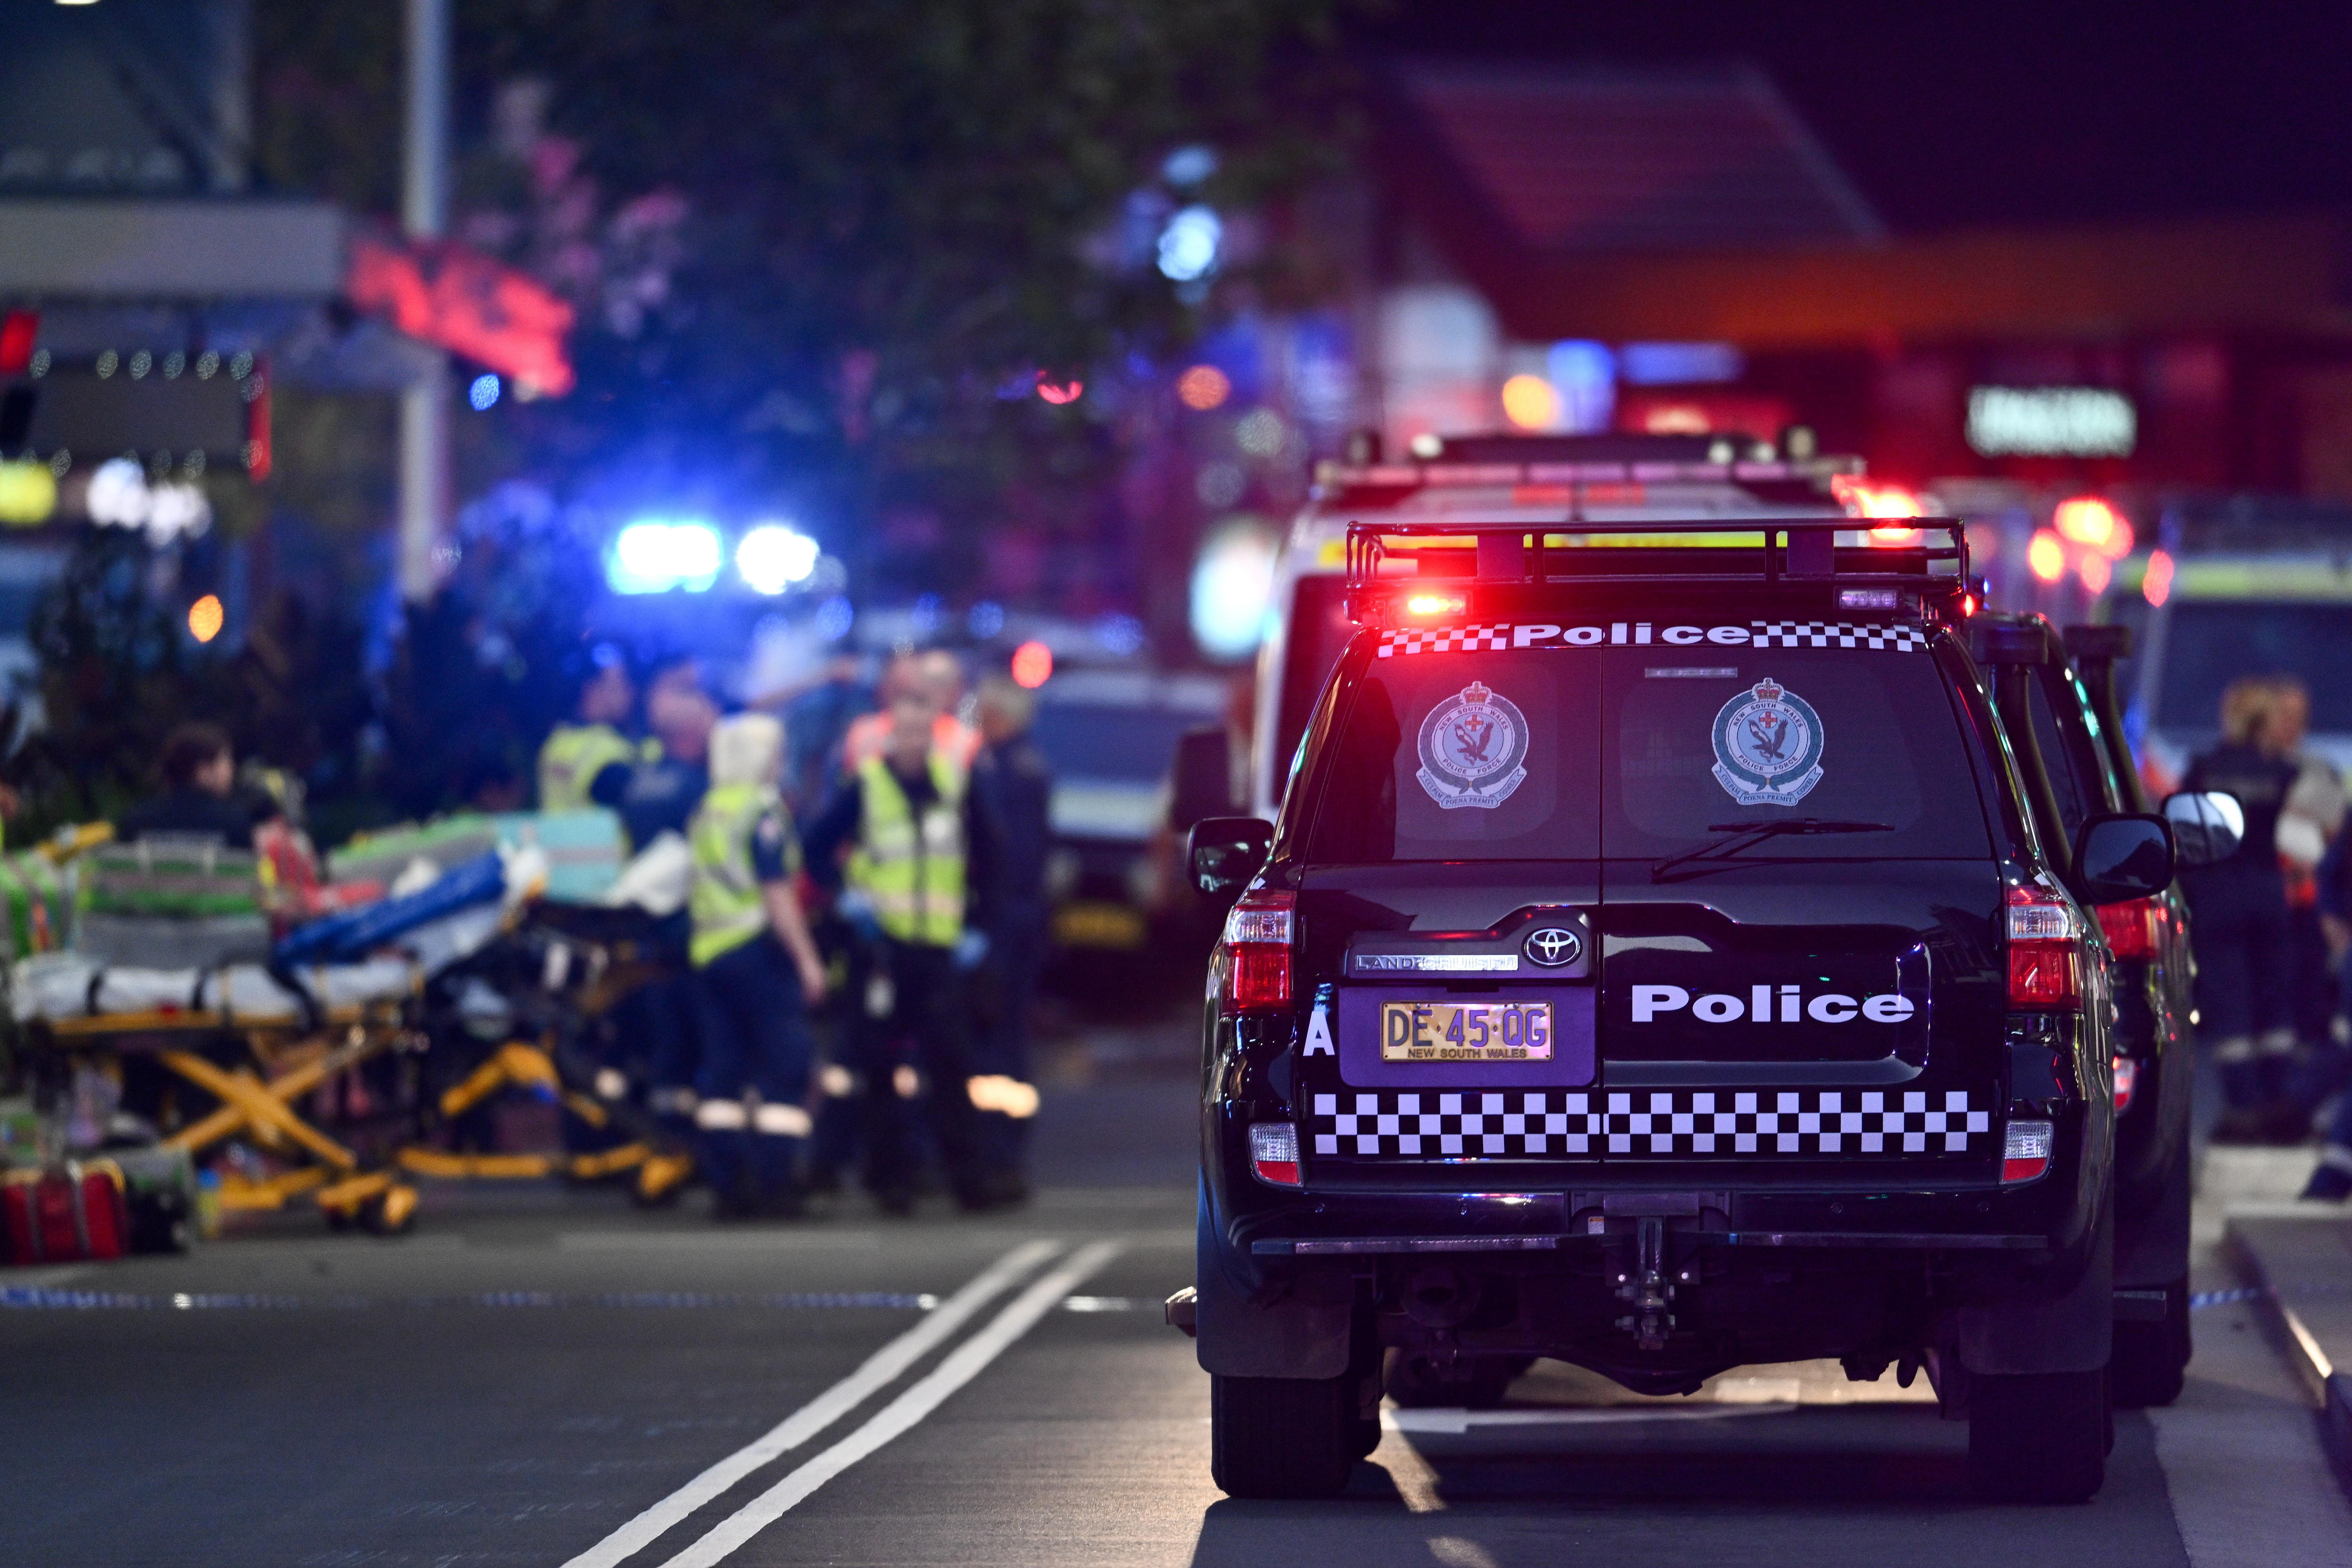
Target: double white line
{"points": [[966, 1362]]}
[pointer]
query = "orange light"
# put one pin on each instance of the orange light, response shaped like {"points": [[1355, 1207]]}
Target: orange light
{"points": [[1065, 391], [1861, 498], [1033, 665], [205, 617], [1435, 605], [2098, 572], [2156, 585], [2046, 556], [1531, 403], [2087, 520], [1967, 606], [1888, 534], [1203, 387]]}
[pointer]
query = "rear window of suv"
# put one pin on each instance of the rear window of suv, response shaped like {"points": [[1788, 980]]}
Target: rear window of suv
{"points": [[1585, 753]]}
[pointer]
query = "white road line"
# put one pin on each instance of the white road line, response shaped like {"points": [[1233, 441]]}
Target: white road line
{"points": [[880, 1369], [966, 1362]]}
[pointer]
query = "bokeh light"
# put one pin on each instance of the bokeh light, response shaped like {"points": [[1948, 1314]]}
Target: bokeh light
{"points": [[2156, 585], [484, 392], [2046, 556], [29, 494], [1033, 665], [774, 556], [205, 617], [1203, 387], [2087, 520], [1232, 586], [1531, 403]]}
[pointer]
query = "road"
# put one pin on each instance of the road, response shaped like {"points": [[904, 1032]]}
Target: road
{"points": [[548, 1378]]}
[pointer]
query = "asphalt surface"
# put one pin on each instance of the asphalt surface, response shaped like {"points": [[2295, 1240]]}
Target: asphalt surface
{"points": [[546, 1377]]}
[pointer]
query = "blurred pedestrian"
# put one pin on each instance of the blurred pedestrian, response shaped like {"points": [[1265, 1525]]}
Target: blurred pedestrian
{"points": [[1015, 786], [201, 797], [574, 754], [935, 677], [2244, 978], [920, 856], [756, 972]]}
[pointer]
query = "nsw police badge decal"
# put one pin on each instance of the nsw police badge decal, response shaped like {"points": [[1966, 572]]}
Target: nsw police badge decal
{"points": [[1768, 746], [1474, 749]]}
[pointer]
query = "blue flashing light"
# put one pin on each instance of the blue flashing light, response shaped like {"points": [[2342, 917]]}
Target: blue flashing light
{"points": [[1190, 244], [484, 392], [773, 556], [657, 557]]}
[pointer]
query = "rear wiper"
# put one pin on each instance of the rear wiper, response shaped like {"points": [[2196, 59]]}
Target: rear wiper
{"points": [[1746, 833]]}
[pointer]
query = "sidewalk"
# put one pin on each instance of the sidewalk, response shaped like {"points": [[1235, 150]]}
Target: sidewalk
{"points": [[2299, 1256]]}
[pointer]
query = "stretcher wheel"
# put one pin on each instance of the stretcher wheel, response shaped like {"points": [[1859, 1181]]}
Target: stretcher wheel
{"points": [[661, 1179], [392, 1212]]}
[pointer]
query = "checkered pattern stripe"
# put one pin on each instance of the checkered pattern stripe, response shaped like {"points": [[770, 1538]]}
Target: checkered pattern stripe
{"points": [[1446, 639], [1645, 1121], [1835, 634]]}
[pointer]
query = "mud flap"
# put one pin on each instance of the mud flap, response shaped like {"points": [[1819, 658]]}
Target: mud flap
{"points": [[1293, 1327], [2073, 1332], [2154, 1252]]}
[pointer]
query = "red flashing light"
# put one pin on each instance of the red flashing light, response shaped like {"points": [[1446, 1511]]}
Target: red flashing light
{"points": [[18, 330], [1868, 497], [1258, 951], [1435, 604], [1033, 665], [2045, 957], [1059, 393], [1274, 1153]]}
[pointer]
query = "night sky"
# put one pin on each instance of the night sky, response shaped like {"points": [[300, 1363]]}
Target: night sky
{"points": [[1951, 114]]}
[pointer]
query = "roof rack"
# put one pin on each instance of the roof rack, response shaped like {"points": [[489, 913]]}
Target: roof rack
{"points": [[1788, 553]]}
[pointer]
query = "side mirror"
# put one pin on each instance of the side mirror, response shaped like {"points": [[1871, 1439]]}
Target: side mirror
{"points": [[1225, 852], [2208, 828], [2119, 858], [1203, 781]]}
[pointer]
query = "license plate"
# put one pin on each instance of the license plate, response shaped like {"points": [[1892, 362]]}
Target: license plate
{"points": [[1465, 1031]]}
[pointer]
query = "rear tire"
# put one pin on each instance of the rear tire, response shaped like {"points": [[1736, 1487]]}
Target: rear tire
{"points": [[2151, 1359], [1283, 1437], [2040, 1438]]}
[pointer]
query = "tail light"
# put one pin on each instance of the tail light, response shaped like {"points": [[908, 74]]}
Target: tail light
{"points": [[2045, 952], [2133, 929], [2026, 1153], [2126, 1083], [1274, 1153], [1258, 951]]}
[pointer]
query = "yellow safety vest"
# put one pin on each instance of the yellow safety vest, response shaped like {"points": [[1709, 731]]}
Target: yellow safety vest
{"points": [[726, 907], [911, 871], [572, 757]]}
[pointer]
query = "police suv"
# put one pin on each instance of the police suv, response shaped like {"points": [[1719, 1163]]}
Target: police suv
{"points": [[1656, 964]]}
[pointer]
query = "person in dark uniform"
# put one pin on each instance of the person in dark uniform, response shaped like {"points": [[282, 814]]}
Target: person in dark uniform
{"points": [[201, 797], [654, 798], [921, 864], [1014, 784], [2244, 985]]}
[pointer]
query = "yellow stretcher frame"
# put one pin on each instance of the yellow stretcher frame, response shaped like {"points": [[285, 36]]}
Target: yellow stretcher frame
{"points": [[296, 1060]]}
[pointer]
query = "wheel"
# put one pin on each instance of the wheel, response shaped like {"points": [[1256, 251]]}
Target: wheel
{"points": [[1473, 1383], [2151, 1358], [2039, 1438], [1283, 1437]]}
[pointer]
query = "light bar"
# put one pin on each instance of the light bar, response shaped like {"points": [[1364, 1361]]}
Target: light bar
{"points": [[657, 557]]}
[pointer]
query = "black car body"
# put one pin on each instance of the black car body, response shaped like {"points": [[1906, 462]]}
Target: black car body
{"points": [[1910, 1163], [2057, 699]]}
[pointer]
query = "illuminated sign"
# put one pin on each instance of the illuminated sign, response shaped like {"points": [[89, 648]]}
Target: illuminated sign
{"points": [[445, 294], [2051, 422]]}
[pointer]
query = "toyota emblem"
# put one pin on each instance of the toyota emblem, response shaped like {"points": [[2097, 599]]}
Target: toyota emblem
{"points": [[1553, 946]]}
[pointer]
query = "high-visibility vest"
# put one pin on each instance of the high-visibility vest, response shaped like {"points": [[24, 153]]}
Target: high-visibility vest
{"points": [[910, 870], [571, 760], [726, 906]]}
